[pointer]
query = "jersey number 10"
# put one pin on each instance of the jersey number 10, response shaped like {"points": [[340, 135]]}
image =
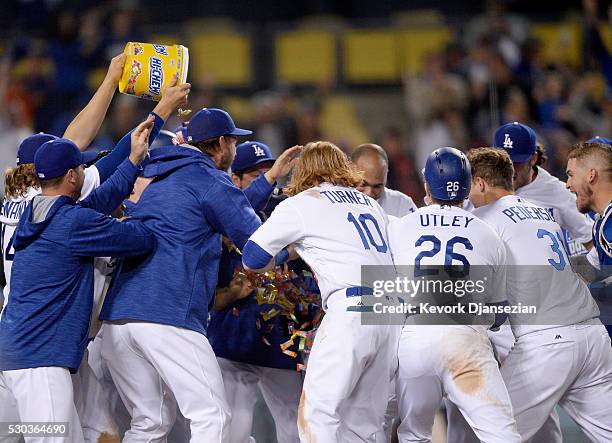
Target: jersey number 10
{"points": [[362, 226]]}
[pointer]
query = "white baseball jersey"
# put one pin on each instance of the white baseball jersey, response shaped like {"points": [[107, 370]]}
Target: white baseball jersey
{"points": [[396, 203], [448, 235], [539, 272], [13, 208], [550, 193], [334, 229]]}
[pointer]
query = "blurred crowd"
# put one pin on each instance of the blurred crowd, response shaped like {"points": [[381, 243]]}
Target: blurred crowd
{"points": [[493, 72]]}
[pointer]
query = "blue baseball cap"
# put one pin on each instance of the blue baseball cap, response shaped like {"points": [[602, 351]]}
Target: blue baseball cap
{"points": [[251, 154], [56, 157], [29, 146], [210, 123], [599, 139], [517, 139]]}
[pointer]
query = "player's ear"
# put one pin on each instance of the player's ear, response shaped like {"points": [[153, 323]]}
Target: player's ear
{"points": [[236, 180], [592, 175], [71, 176]]}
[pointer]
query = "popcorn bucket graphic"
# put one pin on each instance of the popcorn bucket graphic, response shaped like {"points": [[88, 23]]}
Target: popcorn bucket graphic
{"points": [[150, 67]]}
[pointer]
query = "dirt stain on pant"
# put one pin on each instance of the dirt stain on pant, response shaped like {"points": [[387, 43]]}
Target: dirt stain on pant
{"points": [[105, 437], [303, 427], [467, 374]]}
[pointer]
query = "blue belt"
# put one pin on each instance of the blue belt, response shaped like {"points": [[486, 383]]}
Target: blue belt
{"points": [[358, 291]]}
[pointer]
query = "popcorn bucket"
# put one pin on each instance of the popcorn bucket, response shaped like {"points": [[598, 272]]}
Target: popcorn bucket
{"points": [[149, 68]]}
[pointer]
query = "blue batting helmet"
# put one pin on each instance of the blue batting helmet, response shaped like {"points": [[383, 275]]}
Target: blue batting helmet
{"points": [[448, 175]]}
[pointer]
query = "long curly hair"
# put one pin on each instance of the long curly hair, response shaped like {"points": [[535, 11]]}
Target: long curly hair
{"points": [[323, 162], [19, 179]]}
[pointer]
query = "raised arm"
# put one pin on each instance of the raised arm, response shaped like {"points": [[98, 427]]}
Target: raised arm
{"points": [[109, 195], [259, 191], [85, 126], [173, 97]]}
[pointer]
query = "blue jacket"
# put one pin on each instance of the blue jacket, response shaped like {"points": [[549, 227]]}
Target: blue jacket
{"points": [[188, 206], [46, 321]]}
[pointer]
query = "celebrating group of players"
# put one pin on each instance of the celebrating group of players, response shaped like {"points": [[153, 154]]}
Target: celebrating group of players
{"points": [[112, 270]]}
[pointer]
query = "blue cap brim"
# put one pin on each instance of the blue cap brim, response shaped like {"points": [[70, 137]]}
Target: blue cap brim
{"points": [[239, 131], [88, 156], [257, 163], [524, 158]]}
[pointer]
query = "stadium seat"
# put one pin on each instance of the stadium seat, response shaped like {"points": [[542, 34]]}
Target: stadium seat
{"points": [[305, 57], [417, 43], [561, 42], [223, 56], [339, 121], [370, 56]]}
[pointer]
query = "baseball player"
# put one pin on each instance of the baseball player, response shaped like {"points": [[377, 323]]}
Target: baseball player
{"points": [[535, 184], [455, 361], [44, 329], [21, 182], [247, 346], [590, 178], [335, 229], [373, 162], [154, 339], [562, 353]]}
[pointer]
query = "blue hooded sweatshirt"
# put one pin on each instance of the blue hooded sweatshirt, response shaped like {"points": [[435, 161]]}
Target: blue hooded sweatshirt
{"points": [[46, 320], [188, 205]]}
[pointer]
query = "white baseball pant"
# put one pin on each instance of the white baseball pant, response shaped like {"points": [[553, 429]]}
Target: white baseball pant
{"points": [[346, 388], [281, 389], [156, 366], [8, 413], [456, 362], [44, 395], [570, 366], [93, 402], [458, 429]]}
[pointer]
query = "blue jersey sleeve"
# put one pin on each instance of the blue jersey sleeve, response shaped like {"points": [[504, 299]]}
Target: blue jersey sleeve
{"points": [[258, 192], [229, 212], [96, 235], [107, 165], [106, 198]]}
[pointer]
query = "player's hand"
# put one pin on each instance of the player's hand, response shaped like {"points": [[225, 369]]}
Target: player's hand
{"points": [[173, 97], [140, 141], [115, 69], [283, 164]]}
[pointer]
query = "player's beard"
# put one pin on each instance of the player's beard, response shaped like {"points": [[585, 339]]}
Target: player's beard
{"points": [[584, 197], [226, 159]]}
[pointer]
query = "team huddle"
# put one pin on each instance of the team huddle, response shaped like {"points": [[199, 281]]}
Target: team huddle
{"points": [[130, 309]]}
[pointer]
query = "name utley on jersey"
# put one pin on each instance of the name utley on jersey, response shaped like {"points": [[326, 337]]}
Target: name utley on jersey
{"points": [[439, 235], [539, 272], [13, 208], [334, 229]]}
